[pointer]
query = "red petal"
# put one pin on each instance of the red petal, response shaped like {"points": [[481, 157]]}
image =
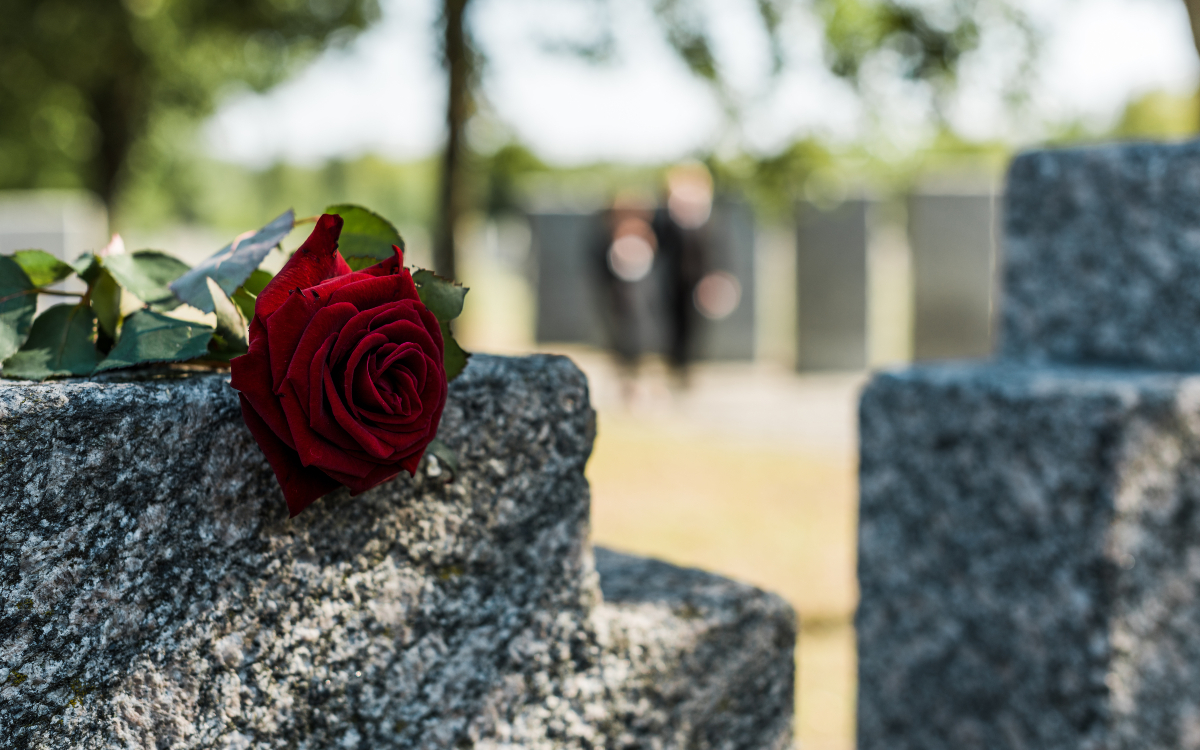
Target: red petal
{"points": [[301, 485], [251, 375], [316, 261], [389, 266]]}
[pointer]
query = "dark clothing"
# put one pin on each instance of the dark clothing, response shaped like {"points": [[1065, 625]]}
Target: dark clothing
{"points": [[683, 255]]}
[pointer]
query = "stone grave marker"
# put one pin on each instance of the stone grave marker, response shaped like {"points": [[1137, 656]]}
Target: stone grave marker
{"points": [[953, 247], [155, 594], [831, 282], [1029, 545], [569, 303]]}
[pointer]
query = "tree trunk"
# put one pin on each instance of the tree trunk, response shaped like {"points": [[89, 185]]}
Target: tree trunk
{"points": [[1193, 9], [457, 59]]}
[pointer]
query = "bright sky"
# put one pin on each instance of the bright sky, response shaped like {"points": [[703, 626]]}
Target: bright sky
{"points": [[383, 93]]}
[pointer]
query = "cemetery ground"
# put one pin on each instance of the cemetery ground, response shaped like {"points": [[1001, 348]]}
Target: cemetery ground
{"points": [[750, 473]]}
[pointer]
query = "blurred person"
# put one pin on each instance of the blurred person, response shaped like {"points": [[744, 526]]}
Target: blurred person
{"points": [[625, 250], [680, 229]]}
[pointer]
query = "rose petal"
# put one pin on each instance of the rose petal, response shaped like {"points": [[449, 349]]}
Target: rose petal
{"points": [[301, 485], [323, 327], [284, 329], [376, 291], [313, 448], [316, 261], [251, 375], [387, 267]]}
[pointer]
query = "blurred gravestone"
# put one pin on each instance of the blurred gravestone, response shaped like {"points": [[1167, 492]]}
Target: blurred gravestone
{"points": [[568, 304], [570, 299], [831, 269], [731, 250], [63, 224], [952, 237], [1029, 543]]}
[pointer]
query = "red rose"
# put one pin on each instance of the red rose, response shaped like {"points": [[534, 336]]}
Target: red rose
{"points": [[344, 382]]}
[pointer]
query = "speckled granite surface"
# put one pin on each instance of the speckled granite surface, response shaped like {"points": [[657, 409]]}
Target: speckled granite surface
{"points": [[156, 595], [1102, 256], [1029, 559]]}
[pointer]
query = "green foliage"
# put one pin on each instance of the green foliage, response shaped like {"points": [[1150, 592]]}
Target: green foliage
{"points": [[446, 457], [444, 298], [366, 238], [1159, 115], [17, 306], [61, 343], [148, 337], [86, 83], [42, 268], [230, 266], [106, 303], [147, 274], [73, 339], [455, 358], [231, 325]]}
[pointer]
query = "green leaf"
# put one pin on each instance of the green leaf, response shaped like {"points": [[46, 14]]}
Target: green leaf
{"points": [[454, 359], [17, 306], [366, 237], [61, 343], [443, 297], [231, 326], [232, 265], [88, 267], [245, 302], [257, 281], [42, 268], [148, 337], [446, 457], [147, 274], [106, 303]]}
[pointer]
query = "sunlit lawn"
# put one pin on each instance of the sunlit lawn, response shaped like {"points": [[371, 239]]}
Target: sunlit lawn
{"points": [[779, 517]]}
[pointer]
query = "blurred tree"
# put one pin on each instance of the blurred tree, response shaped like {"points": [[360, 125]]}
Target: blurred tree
{"points": [[83, 83], [928, 38]]}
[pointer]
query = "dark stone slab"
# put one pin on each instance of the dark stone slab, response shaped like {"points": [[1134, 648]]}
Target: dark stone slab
{"points": [[155, 594], [1029, 559], [1102, 256]]}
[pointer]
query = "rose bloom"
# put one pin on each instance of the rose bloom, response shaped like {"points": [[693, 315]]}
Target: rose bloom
{"points": [[344, 383]]}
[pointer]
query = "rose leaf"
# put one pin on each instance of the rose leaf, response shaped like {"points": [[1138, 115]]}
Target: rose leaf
{"points": [[147, 274], [62, 342], [454, 359], [148, 337], [233, 264], [366, 238], [88, 267], [106, 303], [42, 268], [446, 457], [17, 306], [245, 302], [443, 297], [257, 281], [231, 326]]}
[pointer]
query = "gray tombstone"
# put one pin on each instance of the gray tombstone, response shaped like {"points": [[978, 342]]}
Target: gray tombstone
{"points": [[731, 250], [952, 238], [831, 270], [569, 302], [63, 223], [1029, 540]]}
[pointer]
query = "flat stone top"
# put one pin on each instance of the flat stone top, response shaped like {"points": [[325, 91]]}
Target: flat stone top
{"points": [[1020, 380], [1102, 256]]}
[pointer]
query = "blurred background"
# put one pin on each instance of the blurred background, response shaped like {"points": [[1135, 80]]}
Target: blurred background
{"points": [[726, 211]]}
